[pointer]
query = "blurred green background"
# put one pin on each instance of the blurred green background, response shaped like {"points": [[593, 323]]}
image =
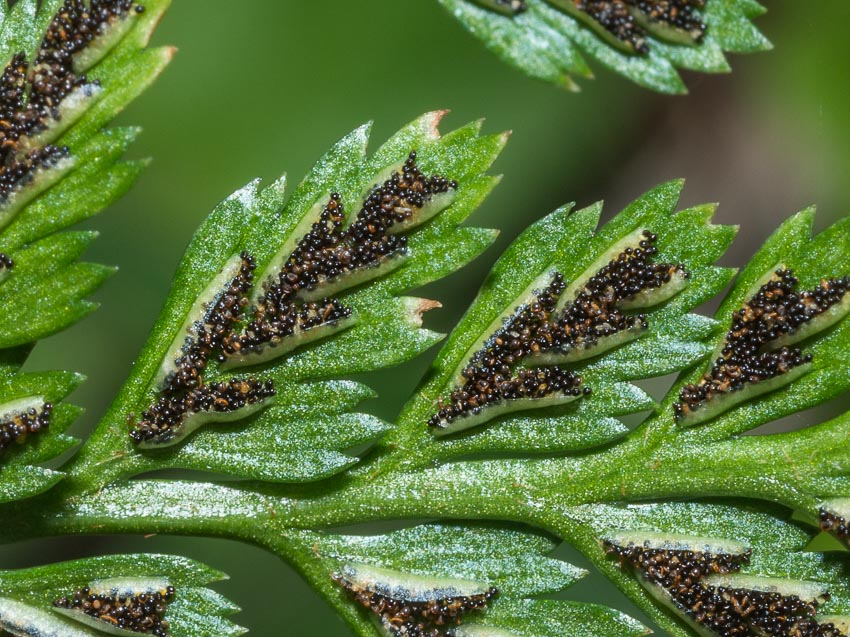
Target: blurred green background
{"points": [[259, 88]]}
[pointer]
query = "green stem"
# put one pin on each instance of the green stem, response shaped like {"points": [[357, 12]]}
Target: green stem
{"points": [[512, 490]]}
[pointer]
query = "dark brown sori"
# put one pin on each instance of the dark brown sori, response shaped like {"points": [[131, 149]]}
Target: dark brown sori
{"points": [[776, 310], [6, 263], [231, 326], [834, 524], [184, 392], [78, 23], [218, 322], [405, 618], [489, 379], [629, 21], [31, 97], [18, 427], [143, 613], [727, 612], [535, 329], [20, 116], [331, 251]]}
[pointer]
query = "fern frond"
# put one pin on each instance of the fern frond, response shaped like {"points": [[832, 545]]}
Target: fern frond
{"points": [[705, 530], [70, 67], [605, 306], [295, 334], [550, 39], [50, 601]]}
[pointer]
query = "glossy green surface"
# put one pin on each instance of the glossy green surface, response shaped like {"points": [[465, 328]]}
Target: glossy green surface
{"points": [[261, 87]]}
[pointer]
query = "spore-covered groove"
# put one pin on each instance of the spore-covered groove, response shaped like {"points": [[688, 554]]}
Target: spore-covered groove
{"points": [[405, 605], [294, 305], [39, 101], [706, 590], [521, 365], [758, 353], [628, 24]]}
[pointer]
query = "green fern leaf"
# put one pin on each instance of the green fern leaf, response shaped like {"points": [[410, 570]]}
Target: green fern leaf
{"points": [[306, 433], [28, 597], [549, 39], [94, 175], [672, 342], [43, 286], [517, 566]]}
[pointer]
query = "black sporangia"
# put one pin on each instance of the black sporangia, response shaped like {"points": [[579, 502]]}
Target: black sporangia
{"points": [[698, 579], [185, 401], [406, 605], [295, 303], [490, 385], [22, 419], [39, 101], [777, 316], [555, 327], [833, 519], [121, 606], [627, 24], [239, 323], [23, 163]]}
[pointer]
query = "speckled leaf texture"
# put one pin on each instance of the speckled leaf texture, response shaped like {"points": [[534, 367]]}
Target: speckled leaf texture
{"points": [[479, 508], [599, 479], [548, 43], [46, 289], [514, 560], [196, 610], [584, 398], [306, 434]]}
